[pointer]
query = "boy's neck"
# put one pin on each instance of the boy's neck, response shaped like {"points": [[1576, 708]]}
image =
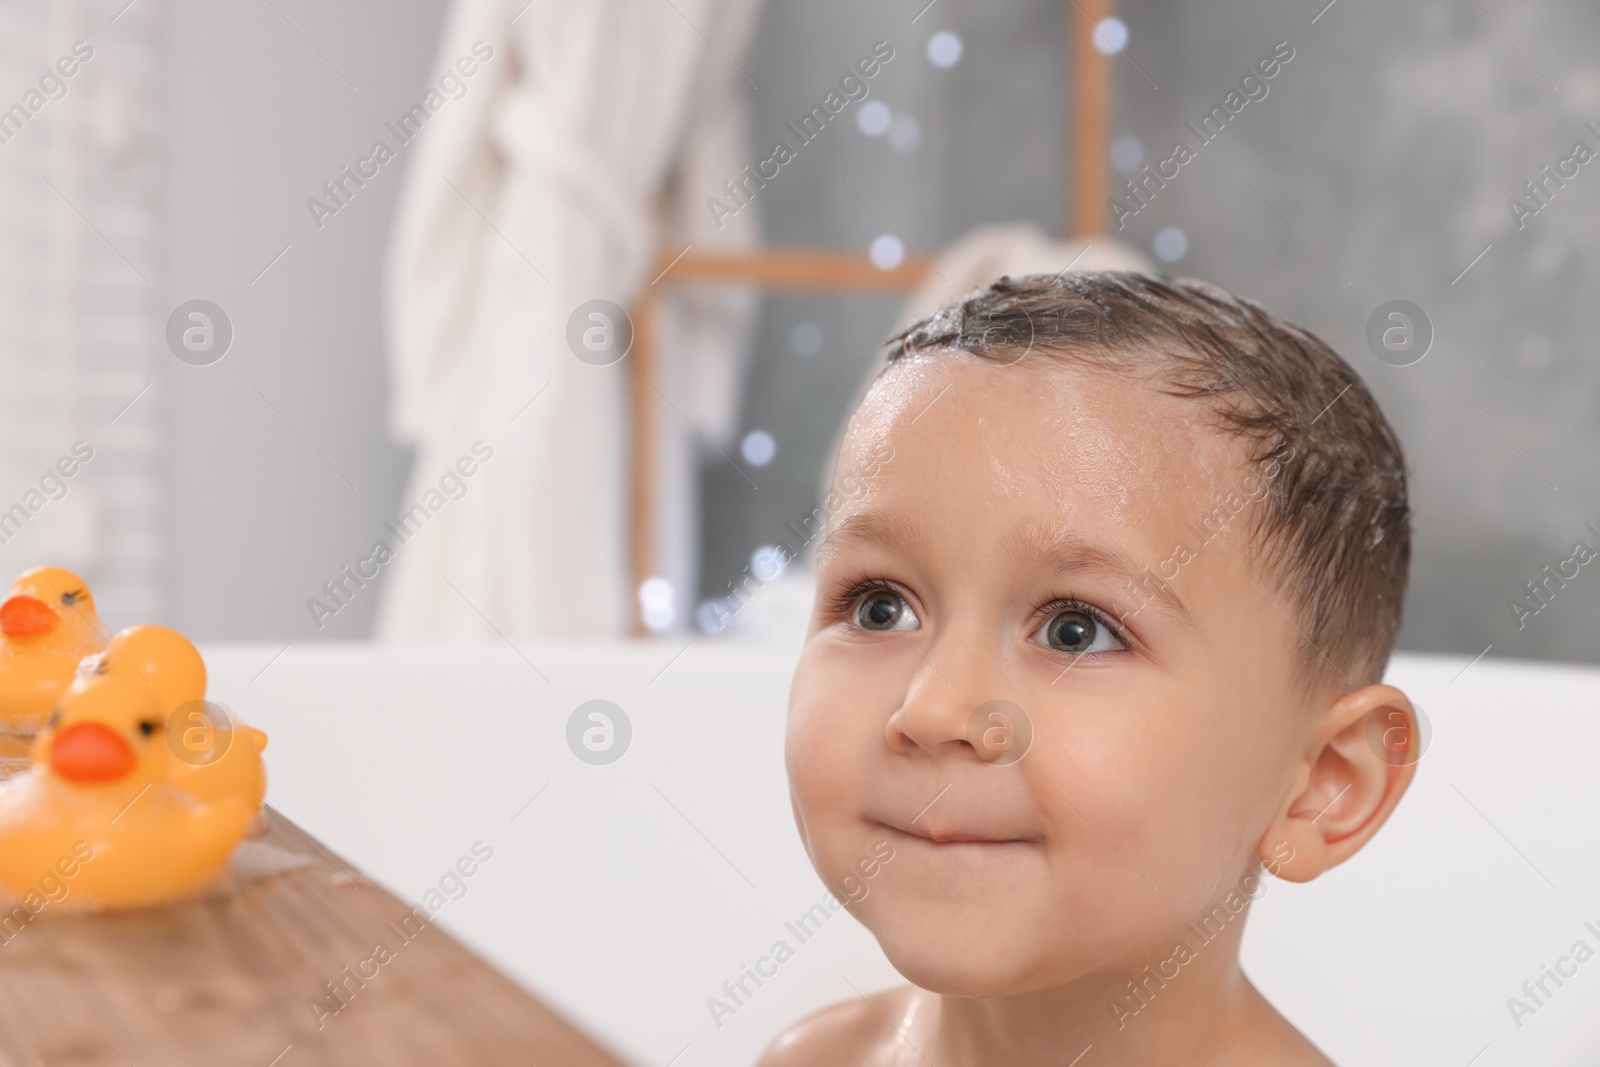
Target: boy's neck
{"points": [[1194, 1012]]}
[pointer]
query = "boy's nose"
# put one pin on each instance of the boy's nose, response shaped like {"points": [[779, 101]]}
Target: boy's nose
{"points": [[946, 705]]}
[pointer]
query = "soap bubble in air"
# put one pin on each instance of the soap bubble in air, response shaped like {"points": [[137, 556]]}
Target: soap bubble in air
{"points": [[768, 562], [944, 49], [806, 338], [758, 448], [887, 252], [655, 602], [1110, 36], [873, 118], [1171, 244], [1126, 152]]}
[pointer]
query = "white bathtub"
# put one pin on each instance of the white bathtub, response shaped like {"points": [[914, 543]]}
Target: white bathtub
{"points": [[626, 894]]}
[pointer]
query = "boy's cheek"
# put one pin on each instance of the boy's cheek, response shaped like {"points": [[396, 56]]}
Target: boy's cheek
{"points": [[819, 779], [839, 708], [829, 684], [806, 755], [832, 769]]}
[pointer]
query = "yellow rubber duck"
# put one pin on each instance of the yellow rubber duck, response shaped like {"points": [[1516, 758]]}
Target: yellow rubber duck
{"points": [[98, 800], [47, 624], [215, 755]]}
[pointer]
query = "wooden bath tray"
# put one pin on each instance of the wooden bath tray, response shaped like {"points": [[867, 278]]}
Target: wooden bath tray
{"points": [[235, 977]]}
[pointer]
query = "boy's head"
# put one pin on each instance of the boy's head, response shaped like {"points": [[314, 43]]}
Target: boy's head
{"points": [[1112, 571]]}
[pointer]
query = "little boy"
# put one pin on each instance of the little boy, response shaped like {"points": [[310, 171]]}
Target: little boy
{"points": [[1100, 640]]}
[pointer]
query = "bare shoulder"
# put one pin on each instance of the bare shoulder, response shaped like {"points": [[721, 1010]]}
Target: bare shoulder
{"points": [[848, 1034]]}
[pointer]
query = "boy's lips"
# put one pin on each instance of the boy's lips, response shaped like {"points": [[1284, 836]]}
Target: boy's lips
{"points": [[952, 833]]}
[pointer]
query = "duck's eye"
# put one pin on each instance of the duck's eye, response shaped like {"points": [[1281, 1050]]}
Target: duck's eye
{"points": [[54, 720], [148, 727], [884, 609], [1077, 632], [72, 598]]}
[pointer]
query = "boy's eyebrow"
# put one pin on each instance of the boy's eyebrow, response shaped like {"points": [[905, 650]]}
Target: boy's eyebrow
{"points": [[883, 529], [1061, 550], [1058, 550]]}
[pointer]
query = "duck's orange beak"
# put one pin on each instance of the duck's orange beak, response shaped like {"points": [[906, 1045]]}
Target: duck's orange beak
{"points": [[26, 616], [91, 752]]}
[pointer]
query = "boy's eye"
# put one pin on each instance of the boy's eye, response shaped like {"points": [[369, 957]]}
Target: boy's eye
{"points": [[884, 609], [1076, 632]]}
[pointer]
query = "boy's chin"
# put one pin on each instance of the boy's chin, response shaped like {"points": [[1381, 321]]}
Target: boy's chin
{"points": [[946, 973], [963, 967]]}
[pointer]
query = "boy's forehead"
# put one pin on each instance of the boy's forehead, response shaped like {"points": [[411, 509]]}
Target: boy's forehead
{"points": [[1043, 431]]}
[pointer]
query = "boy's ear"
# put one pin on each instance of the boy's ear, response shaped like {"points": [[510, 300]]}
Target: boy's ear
{"points": [[1361, 761]]}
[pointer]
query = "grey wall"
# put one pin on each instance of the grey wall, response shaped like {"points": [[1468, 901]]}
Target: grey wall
{"points": [[1390, 142], [259, 120]]}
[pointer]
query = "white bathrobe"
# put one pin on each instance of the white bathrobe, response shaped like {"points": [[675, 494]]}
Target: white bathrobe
{"points": [[589, 142]]}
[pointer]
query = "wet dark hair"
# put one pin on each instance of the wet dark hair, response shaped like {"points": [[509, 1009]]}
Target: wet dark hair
{"points": [[1332, 530]]}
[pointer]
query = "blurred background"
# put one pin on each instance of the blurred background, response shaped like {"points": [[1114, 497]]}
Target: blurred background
{"points": [[178, 163], [522, 349]]}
